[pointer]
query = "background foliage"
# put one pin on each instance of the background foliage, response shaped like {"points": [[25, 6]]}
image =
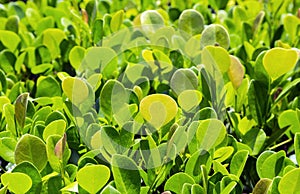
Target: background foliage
{"points": [[225, 74]]}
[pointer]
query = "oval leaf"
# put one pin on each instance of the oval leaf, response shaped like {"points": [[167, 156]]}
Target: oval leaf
{"points": [[189, 99], [54, 128], [30, 170], [93, 177], [236, 72], [17, 182], [190, 22], [215, 34], [276, 63], [210, 133], [175, 183], [158, 103], [32, 149], [126, 174], [290, 182], [75, 89]]}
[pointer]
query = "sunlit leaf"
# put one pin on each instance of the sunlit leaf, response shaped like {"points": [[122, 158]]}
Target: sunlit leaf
{"points": [[93, 177], [152, 104], [276, 63]]}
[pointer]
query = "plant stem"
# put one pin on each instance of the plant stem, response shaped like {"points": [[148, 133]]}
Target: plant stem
{"points": [[280, 144]]}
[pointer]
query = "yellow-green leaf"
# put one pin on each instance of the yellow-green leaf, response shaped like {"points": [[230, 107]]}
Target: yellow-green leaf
{"points": [[158, 109], [16, 182], [75, 89], [279, 61], [93, 177], [236, 72]]}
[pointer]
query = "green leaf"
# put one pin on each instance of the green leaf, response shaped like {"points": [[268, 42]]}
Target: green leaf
{"points": [[162, 62], [3, 83], [53, 116], [21, 109], [176, 182], [9, 113], [150, 105], [190, 22], [297, 146], [8, 60], [215, 34], [52, 38], [114, 141], [54, 184], [276, 64], [205, 113], [30, 170], [111, 190], [56, 162], [194, 163], [262, 186], [47, 86], [291, 23], [42, 68], [197, 189], [270, 164], [116, 21], [216, 59], [238, 162], [236, 72], [192, 48], [290, 118], [255, 138], [16, 182], [218, 167], [75, 89], [258, 101], [260, 72], [260, 161], [9, 39], [32, 149], [274, 186], [57, 127], [290, 182], [101, 59], [44, 23], [186, 189], [134, 71], [113, 96], [3, 190], [7, 148], [33, 16], [126, 174], [286, 89], [218, 4], [97, 31], [229, 188], [95, 81], [223, 153], [183, 79], [72, 187], [189, 99], [93, 177], [12, 24], [76, 56], [210, 133], [151, 21], [179, 138]]}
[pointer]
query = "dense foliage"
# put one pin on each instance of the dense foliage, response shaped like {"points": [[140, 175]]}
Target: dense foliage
{"points": [[150, 96]]}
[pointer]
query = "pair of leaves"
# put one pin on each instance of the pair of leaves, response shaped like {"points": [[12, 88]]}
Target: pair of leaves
{"points": [[270, 164]]}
